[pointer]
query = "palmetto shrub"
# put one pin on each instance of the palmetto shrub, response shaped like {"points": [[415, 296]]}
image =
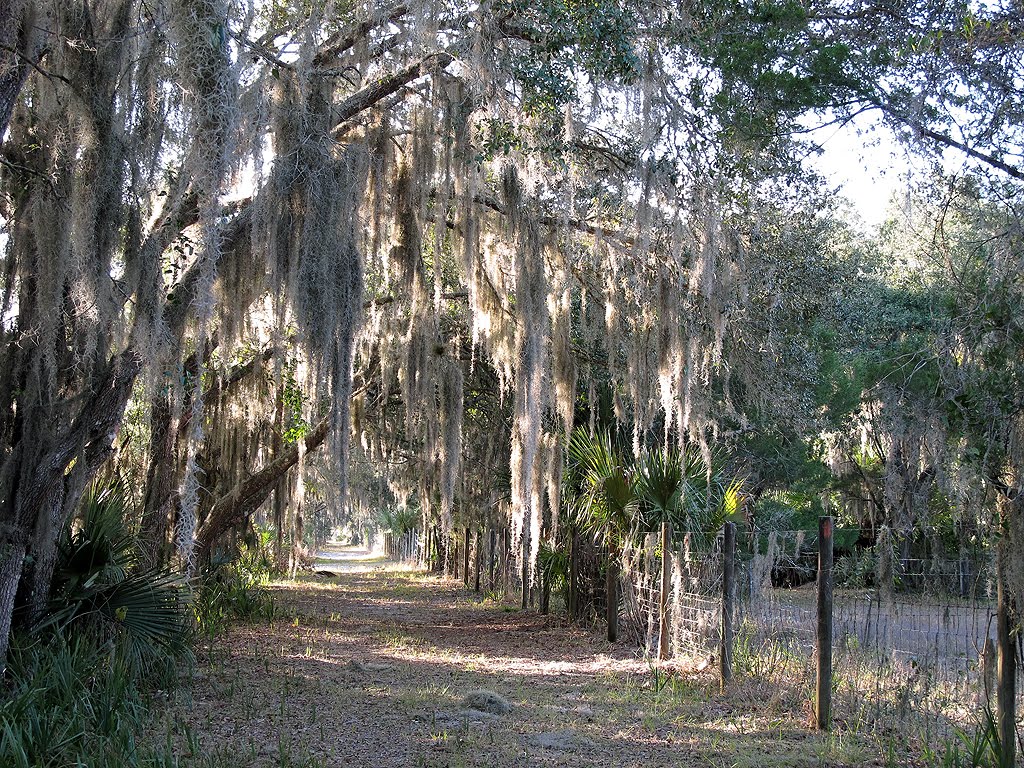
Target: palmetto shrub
{"points": [[99, 588], [74, 688]]}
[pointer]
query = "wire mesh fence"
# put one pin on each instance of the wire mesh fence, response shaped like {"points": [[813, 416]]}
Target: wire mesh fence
{"points": [[913, 628]]}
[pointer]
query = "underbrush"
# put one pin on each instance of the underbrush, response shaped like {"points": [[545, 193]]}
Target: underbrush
{"points": [[912, 712], [77, 697], [235, 590], [80, 685], [74, 701]]}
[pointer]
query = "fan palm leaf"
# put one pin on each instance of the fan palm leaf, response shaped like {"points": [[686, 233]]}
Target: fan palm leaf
{"points": [[98, 587]]}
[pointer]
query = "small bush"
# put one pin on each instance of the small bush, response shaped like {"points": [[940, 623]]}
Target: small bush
{"points": [[235, 589], [100, 591]]}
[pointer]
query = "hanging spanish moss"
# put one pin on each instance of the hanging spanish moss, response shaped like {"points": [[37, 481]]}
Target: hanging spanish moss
{"points": [[375, 212]]}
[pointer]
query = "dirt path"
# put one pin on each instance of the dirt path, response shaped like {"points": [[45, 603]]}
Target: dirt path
{"points": [[370, 666]]}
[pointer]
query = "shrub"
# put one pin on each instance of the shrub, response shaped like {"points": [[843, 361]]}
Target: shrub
{"points": [[98, 589], [236, 589]]}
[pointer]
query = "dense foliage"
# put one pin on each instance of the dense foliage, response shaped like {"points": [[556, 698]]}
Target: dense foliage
{"points": [[266, 257]]}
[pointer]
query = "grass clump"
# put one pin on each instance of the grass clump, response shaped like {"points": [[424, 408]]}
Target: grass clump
{"points": [[74, 701], [483, 700]]}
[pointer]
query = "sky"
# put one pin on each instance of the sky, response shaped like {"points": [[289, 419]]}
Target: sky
{"points": [[863, 160]]}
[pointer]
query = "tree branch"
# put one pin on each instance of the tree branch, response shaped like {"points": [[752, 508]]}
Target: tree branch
{"points": [[371, 94], [246, 497], [949, 141], [337, 44]]}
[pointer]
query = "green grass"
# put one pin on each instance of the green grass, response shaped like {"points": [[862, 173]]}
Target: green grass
{"points": [[73, 702]]}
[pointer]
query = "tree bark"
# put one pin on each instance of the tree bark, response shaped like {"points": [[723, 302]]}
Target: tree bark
{"points": [[13, 547], [161, 476], [21, 53]]}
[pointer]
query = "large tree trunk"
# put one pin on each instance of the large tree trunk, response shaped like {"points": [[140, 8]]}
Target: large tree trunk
{"points": [[13, 547], [161, 482], [38, 573], [42, 489], [19, 51]]}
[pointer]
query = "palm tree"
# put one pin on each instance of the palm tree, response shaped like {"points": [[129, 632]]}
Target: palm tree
{"points": [[689, 489], [604, 504], [614, 498], [683, 491], [662, 487]]}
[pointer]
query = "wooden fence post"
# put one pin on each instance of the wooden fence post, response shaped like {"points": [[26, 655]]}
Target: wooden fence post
{"points": [[728, 597], [1006, 667], [465, 559], [823, 688], [573, 597], [478, 560], [666, 585]]}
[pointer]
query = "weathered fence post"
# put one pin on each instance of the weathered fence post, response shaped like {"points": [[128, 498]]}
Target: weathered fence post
{"points": [[1006, 667], [666, 585], [572, 597], [728, 598], [478, 560], [823, 688]]}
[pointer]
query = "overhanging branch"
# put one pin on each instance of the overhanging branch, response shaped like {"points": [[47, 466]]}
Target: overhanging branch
{"points": [[341, 41], [371, 94]]}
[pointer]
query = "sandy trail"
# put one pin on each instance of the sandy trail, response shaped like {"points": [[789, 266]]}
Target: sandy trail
{"points": [[370, 666]]}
